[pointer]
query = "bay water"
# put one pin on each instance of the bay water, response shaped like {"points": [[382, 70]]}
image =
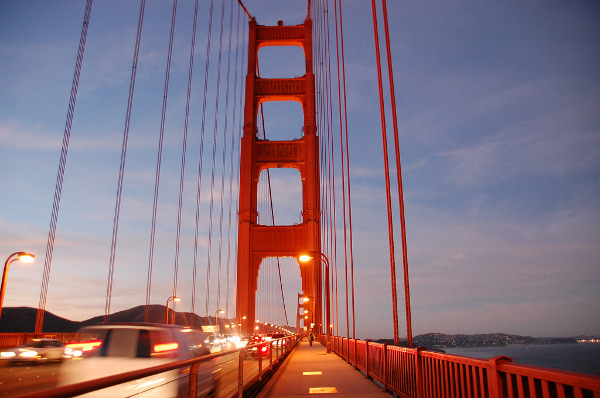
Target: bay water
{"points": [[579, 357]]}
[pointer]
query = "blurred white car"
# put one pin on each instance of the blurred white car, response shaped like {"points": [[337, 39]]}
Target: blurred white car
{"points": [[106, 350], [36, 350]]}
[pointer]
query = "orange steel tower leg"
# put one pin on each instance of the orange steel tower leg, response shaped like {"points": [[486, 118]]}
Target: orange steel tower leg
{"points": [[256, 241]]}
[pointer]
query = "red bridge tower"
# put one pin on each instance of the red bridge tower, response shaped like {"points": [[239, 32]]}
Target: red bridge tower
{"points": [[256, 241]]}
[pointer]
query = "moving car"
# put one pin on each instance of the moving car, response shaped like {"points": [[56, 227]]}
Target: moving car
{"points": [[35, 351], [254, 348], [110, 349]]}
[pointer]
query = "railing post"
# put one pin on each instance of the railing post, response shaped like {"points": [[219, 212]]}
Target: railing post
{"points": [[494, 381], [241, 375], [260, 362], [355, 353], [193, 380], [419, 371], [367, 358], [385, 366]]}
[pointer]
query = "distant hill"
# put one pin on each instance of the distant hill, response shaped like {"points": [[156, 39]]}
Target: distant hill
{"points": [[441, 340], [22, 319]]}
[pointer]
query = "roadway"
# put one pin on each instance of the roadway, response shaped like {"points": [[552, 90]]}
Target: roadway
{"points": [[26, 379]]}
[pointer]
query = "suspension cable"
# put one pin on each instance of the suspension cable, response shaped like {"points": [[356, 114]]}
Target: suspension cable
{"points": [[387, 176], [223, 158], [245, 9], [158, 165], [201, 153], [61, 168], [340, 79], [187, 112], [231, 165], [212, 181], [113, 246], [350, 240], [399, 174], [331, 171]]}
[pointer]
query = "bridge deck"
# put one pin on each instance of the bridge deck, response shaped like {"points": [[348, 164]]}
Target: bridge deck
{"points": [[310, 370]]}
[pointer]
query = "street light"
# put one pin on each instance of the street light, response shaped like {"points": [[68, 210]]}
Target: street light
{"points": [[174, 298], [323, 258], [18, 256]]}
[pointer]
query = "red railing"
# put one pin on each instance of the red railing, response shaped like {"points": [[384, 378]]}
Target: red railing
{"points": [[418, 373]]}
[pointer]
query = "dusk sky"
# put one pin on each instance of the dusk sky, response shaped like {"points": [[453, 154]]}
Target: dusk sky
{"points": [[499, 121]]}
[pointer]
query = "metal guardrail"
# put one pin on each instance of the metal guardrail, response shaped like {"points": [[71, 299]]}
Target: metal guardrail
{"points": [[245, 382], [418, 373]]}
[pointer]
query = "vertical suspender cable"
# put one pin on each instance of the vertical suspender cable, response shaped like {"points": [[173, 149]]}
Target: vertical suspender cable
{"points": [[158, 165], [399, 173], [231, 165], [61, 168], [387, 177], [113, 246], [187, 112], [223, 158], [201, 150], [350, 244], [338, 56], [214, 153], [329, 201], [332, 206]]}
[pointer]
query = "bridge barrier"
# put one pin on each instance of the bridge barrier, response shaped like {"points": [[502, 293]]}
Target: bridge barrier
{"points": [[244, 380], [418, 373]]}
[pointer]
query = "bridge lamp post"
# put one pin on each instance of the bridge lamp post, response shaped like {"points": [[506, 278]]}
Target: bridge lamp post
{"points": [[18, 256], [172, 298], [323, 258]]}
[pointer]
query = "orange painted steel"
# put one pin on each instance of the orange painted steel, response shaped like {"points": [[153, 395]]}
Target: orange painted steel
{"points": [[418, 373], [255, 241]]}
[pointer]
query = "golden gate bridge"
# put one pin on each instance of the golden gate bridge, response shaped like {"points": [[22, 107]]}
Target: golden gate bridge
{"points": [[242, 241]]}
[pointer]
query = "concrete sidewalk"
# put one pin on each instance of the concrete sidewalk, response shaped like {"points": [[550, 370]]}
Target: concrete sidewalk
{"points": [[310, 370]]}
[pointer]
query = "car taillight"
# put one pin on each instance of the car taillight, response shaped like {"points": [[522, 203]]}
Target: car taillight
{"points": [[84, 345], [166, 347]]}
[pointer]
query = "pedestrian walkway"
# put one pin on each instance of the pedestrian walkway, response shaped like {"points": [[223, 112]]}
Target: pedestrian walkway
{"points": [[310, 370]]}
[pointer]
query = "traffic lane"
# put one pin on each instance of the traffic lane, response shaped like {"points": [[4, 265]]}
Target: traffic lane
{"points": [[24, 379], [229, 373]]}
